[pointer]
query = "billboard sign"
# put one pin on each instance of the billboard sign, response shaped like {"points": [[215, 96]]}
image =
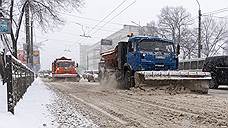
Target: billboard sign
{"points": [[36, 60], [106, 42], [36, 57], [5, 26], [21, 55]]}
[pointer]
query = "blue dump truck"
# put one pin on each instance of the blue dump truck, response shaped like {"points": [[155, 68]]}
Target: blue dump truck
{"points": [[145, 61]]}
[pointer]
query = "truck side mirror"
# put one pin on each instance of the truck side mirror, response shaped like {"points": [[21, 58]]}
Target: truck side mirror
{"points": [[178, 49], [130, 48], [76, 64]]}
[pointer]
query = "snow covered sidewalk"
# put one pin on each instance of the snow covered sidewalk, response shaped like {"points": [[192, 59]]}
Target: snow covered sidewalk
{"points": [[42, 107], [31, 111]]}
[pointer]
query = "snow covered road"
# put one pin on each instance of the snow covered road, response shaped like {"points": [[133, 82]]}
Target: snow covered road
{"points": [[88, 105], [108, 107]]}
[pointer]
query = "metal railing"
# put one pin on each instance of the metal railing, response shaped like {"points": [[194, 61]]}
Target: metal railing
{"points": [[18, 78]]}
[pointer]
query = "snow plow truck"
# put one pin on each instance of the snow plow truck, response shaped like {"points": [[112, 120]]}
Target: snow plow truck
{"points": [[145, 61], [64, 68]]}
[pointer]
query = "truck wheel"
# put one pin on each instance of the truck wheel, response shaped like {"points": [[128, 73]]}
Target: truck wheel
{"points": [[127, 79], [213, 84], [77, 79]]}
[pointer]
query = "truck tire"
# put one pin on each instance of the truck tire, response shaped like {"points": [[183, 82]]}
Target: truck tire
{"points": [[213, 84], [77, 79], [128, 79]]}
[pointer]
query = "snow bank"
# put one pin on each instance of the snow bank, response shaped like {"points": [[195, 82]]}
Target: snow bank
{"points": [[31, 111]]}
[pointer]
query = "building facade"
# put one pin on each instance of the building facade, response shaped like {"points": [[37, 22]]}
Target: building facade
{"points": [[83, 57], [94, 51]]}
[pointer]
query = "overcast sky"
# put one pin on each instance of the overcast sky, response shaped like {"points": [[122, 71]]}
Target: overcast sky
{"points": [[65, 39]]}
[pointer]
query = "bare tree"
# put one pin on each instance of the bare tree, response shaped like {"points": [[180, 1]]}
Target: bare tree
{"points": [[214, 35], [152, 29], [225, 48], [188, 43], [46, 13], [172, 21]]}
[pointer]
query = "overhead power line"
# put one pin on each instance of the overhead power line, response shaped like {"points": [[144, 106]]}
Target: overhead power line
{"points": [[89, 26], [221, 17], [211, 13], [91, 19], [107, 16], [216, 11], [115, 16], [62, 40]]}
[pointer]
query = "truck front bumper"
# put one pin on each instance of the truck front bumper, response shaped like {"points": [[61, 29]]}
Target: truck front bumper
{"points": [[65, 75]]}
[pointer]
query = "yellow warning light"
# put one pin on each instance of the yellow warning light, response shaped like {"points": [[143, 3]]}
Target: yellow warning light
{"points": [[130, 34]]}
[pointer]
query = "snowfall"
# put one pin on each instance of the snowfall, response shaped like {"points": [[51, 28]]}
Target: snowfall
{"points": [[32, 111]]}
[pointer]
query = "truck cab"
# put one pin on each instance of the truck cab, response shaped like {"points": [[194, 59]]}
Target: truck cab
{"points": [[64, 68], [147, 53]]}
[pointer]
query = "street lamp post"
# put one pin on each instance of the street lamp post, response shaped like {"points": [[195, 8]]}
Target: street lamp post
{"points": [[199, 32]]}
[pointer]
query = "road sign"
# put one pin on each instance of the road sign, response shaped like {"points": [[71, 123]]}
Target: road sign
{"points": [[106, 42], [5, 26]]}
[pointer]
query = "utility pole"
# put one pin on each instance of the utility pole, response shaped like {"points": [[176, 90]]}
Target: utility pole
{"points": [[1, 7], [199, 32], [1, 15], [27, 29], [87, 62], [31, 46], [199, 36]]}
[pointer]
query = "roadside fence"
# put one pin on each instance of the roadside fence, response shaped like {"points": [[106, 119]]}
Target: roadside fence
{"points": [[18, 78]]}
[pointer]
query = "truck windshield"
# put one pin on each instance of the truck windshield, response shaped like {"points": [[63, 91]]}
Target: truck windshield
{"points": [[65, 64], [155, 46]]}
